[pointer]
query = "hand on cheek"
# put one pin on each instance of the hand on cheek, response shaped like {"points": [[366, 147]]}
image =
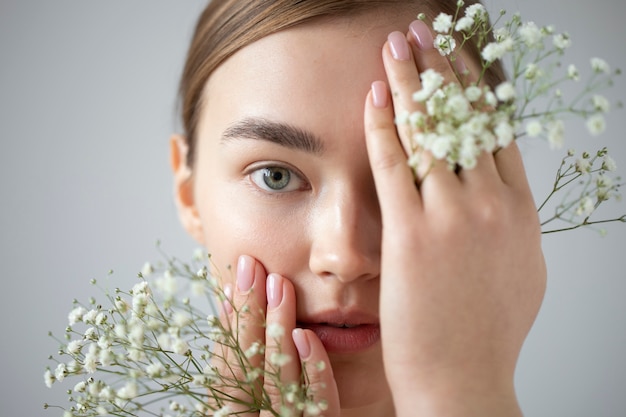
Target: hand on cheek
{"points": [[262, 315], [462, 273]]}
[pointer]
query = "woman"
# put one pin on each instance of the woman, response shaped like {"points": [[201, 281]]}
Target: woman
{"points": [[291, 167]]}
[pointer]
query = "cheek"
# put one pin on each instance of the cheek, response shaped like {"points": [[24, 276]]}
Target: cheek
{"points": [[234, 223]]}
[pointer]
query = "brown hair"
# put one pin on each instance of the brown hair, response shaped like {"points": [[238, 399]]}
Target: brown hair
{"points": [[225, 26]]}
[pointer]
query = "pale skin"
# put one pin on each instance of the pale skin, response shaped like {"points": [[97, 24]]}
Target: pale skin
{"points": [[452, 270]]}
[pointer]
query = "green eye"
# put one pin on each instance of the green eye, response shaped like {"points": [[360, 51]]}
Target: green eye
{"points": [[275, 179]]}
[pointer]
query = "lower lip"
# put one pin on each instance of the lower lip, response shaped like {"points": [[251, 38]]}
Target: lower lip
{"points": [[345, 339]]}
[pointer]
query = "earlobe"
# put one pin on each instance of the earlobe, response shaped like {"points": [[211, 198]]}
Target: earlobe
{"points": [[183, 188]]}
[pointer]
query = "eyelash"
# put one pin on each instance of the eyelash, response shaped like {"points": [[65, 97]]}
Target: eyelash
{"points": [[258, 175]]}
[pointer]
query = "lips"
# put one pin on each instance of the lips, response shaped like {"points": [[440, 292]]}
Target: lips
{"points": [[344, 332]]}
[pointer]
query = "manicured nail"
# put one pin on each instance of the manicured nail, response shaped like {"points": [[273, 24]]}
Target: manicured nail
{"points": [[228, 293], [379, 94], [422, 35], [274, 290], [399, 46], [245, 273], [301, 341], [459, 64]]}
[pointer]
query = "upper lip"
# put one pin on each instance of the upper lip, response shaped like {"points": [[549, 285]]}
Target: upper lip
{"points": [[341, 317]]}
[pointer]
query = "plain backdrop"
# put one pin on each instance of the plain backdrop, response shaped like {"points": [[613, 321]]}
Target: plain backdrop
{"points": [[87, 103]]}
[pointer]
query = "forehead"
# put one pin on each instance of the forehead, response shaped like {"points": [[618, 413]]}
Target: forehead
{"points": [[315, 75]]}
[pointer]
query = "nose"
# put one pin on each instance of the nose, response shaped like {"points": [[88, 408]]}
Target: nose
{"points": [[345, 235]]}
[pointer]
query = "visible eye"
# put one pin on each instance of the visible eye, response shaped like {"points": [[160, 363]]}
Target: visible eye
{"points": [[276, 179]]}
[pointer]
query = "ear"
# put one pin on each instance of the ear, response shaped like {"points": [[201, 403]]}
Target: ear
{"points": [[183, 188]]}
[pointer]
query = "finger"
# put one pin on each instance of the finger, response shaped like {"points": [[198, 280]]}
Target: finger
{"points": [[400, 59], [245, 334], [393, 178], [403, 81], [322, 393], [510, 166], [282, 367], [426, 55]]}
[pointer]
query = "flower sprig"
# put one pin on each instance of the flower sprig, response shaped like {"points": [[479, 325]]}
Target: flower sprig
{"points": [[457, 121], [151, 350]]}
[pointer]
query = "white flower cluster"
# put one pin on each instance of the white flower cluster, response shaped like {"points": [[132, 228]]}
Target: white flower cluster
{"points": [[458, 123], [590, 180], [151, 343], [459, 120]]}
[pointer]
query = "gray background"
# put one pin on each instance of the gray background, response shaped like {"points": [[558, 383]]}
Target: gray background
{"points": [[87, 102]]}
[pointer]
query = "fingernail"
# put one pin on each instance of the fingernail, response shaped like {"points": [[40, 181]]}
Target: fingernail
{"points": [[459, 64], [399, 46], [245, 273], [421, 34], [302, 343], [274, 290], [228, 293], [379, 94]]}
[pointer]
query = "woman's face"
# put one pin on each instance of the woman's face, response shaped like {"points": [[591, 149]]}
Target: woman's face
{"points": [[282, 174]]}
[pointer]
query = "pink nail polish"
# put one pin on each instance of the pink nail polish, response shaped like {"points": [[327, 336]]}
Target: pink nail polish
{"points": [[422, 35], [459, 65], [379, 94], [399, 46], [274, 290], [301, 341], [245, 273], [228, 293]]}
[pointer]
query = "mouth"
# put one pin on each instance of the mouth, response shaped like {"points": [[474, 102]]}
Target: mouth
{"points": [[344, 332]]}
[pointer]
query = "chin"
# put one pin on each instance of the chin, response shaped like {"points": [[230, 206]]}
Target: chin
{"points": [[360, 379]]}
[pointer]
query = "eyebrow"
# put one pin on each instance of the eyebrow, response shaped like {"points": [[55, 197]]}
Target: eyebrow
{"points": [[280, 133]]}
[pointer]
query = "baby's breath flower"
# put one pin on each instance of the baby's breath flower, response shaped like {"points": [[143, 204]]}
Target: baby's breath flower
{"points": [[155, 370], [279, 359], [531, 34], [223, 412], [596, 124], [572, 72], [179, 346], [582, 165], [556, 131], [431, 81], [442, 23], [476, 11], [600, 65], [74, 346], [505, 133], [167, 284], [181, 319], [608, 163], [60, 372], [532, 71], [585, 207], [275, 331], [464, 24], [445, 44], [48, 378], [106, 357], [496, 50], [76, 315], [253, 350], [80, 387], [600, 103], [561, 41], [128, 391], [473, 93], [505, 91], [533, 128], [147, 270]]}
